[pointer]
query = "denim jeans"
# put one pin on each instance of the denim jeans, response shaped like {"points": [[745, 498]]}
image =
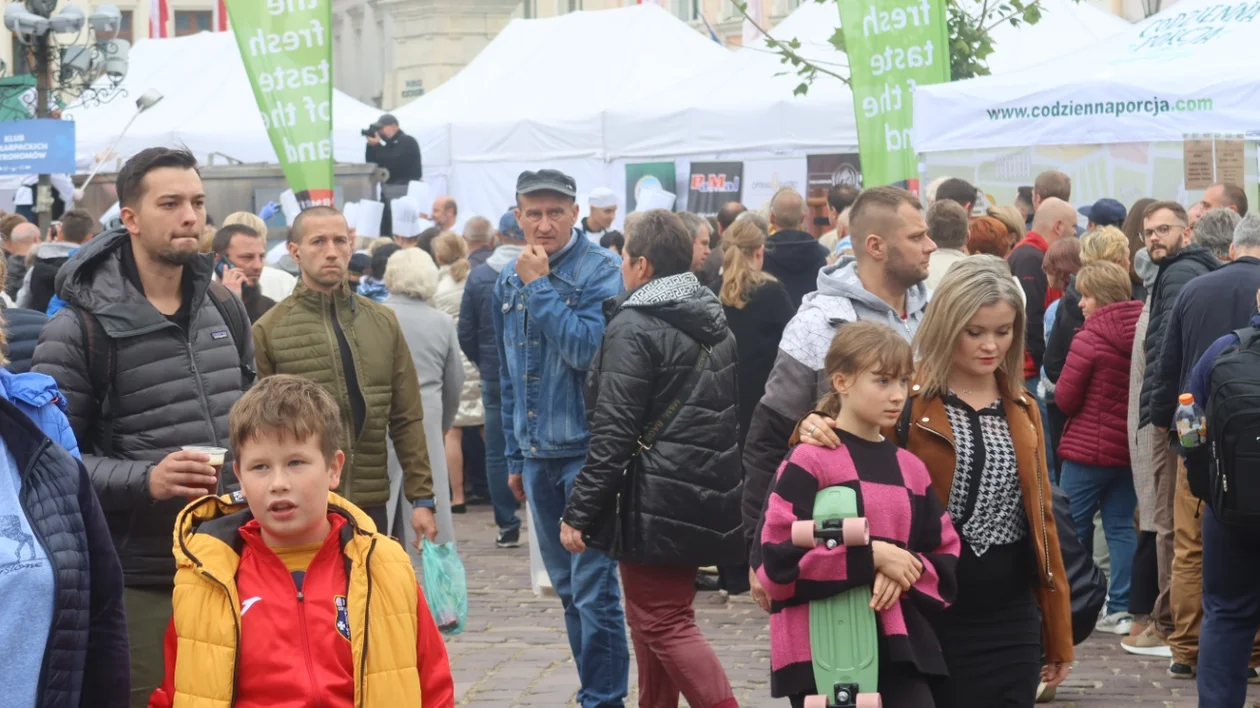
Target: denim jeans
{"points": [[1231, 613], [496, 464], [1091, 488], [587, 584]]}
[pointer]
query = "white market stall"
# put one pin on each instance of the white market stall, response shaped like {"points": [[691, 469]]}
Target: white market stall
{"points": [[746, 104], [536, 96], [650, 88], [1116, 117], [208, 107]]}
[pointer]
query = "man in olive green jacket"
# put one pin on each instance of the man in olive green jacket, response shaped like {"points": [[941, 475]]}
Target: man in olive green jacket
{"points": [[354, 348]]}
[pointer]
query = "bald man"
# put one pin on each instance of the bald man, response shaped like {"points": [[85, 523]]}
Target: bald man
{"points": [[445, 212], [793, 255], [1054, 219], [21, 240]]}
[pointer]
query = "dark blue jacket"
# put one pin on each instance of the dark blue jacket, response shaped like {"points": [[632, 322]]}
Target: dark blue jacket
{"points": [[1208, 307], [476, 326], [21, 332], [87, 657], [1202, 372]]}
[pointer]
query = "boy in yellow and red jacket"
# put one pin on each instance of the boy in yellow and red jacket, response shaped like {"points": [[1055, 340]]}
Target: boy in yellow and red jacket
{"points": [[285, 594]]}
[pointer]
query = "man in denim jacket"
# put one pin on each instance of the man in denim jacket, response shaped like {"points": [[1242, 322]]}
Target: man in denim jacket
{"points": [[549, 320]]}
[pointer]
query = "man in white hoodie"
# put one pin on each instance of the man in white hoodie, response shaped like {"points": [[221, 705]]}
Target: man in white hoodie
{"points": [[881, 282], [478, 342]]}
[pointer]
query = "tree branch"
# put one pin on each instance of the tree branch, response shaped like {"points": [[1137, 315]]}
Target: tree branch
{"points": [[988, 29], [783, 49]]}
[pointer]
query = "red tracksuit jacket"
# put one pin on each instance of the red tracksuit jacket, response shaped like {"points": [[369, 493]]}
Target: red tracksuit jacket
{"points": [[292, 653]]}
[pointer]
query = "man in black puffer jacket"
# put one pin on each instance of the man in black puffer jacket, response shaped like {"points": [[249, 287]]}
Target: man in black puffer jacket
{"points": [[661, 401], [1165, 225], [177, 368]]}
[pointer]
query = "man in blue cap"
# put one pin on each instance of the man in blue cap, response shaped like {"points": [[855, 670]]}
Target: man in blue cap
{"points": [[549, 321], [1104, 212], [478, 342]]}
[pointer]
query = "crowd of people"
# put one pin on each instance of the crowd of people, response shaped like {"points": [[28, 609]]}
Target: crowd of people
{"points": [[991, 384]]}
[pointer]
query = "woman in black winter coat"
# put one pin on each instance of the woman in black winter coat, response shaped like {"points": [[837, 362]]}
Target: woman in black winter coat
{"points": [[757, 307], [661, 487]]}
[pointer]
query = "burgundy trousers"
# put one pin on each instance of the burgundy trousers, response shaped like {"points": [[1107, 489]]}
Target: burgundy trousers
{"points": [[672, 655]]}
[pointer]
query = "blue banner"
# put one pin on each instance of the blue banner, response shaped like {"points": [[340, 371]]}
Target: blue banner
{"points": [[37, 147]]}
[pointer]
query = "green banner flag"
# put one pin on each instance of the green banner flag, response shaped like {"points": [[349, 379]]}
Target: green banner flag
{"points": [[893, 46], [287, 49]]}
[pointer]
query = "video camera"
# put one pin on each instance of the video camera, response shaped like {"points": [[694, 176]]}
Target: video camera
{"points": [[371, 130]]}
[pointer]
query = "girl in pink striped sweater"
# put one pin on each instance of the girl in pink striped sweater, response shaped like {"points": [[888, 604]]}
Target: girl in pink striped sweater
{"points": [[913, 551]]}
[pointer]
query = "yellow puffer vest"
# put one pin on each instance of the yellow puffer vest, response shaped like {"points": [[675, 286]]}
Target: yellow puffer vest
{"points": [[382, 600]]}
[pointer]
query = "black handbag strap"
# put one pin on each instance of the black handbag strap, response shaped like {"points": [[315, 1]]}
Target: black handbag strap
{"points": [[648, 439]]}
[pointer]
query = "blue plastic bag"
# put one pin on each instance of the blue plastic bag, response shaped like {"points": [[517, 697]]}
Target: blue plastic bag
{"points": [[445, 586]]}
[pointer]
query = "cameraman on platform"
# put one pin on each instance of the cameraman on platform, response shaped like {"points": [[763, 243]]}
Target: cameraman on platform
{"points": [[389, 147]]}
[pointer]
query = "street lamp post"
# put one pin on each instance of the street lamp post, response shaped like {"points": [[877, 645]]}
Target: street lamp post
{"points": [[70, 72]]}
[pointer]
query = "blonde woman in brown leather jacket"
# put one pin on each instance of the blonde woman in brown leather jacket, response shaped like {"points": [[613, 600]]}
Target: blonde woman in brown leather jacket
{"points": [[979, 433]]}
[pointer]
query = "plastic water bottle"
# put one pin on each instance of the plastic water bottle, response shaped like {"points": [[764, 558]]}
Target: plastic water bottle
{"points": [[1190, 422]]}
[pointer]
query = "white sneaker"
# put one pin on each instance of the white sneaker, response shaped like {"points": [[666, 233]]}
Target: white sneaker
{"points": [[1115, 623]]}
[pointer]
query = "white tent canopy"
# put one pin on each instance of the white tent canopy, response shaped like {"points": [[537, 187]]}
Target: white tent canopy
{"points": [[746, 103], [208, 106], [538, 91], [1189, 69]]}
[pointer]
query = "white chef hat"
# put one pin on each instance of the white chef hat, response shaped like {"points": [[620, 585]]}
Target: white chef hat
{"points": [[602, 197]]}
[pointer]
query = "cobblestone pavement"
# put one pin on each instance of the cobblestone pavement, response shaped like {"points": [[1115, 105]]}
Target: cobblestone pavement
{"points": [[513, 651]]}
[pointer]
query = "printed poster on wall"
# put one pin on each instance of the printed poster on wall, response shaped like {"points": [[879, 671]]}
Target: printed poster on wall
{"points": [[712, 185], [827, 171], [762, 178], [652, 176], [287, 51], [893, 46]]}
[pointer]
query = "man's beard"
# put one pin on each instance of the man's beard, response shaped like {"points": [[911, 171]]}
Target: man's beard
{"points": [[905, 274], [177, 257]]}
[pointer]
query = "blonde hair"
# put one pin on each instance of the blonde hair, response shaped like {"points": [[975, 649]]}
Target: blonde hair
{"points": [[970, 284], [207, 239], [283, 404], [449, 249], [1106, 243], [740, 244], [865, 346], [411, 272], [1010, 218], [376, 243], [1105, 281], [245, 218]]}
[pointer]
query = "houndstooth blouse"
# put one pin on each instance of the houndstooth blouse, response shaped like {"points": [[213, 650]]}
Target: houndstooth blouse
{"points": [[985, 502]]}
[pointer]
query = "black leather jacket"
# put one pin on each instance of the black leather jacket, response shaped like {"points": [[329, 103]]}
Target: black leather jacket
{"points": [[684, 493]]}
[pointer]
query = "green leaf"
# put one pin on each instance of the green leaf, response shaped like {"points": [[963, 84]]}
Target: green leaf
{"points": [[801, 89], [1032, 14]]}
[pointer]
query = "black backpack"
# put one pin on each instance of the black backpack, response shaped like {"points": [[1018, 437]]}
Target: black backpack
{"points": [[1226, 472], [102, 358]]}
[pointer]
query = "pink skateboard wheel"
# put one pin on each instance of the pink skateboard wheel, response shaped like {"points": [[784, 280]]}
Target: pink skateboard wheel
{"points": [[869, 700], [815, 702], [803, 534], [857, 532]]}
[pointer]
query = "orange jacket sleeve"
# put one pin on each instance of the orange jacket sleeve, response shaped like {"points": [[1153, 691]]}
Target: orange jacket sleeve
{"points": [[437, 688], [164, 696]]}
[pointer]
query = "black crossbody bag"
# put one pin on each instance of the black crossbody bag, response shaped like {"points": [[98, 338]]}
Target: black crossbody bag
{"points": [[609, 532]]}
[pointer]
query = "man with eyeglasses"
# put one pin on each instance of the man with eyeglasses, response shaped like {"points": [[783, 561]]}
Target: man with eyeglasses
{"points": [[548, 317], [1208, 308], [1165, 227]]}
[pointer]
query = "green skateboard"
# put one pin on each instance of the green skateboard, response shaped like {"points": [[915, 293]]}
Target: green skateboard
{"points": [[843, 637]]}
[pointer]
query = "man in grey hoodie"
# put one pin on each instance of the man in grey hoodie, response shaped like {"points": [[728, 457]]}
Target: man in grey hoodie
{"points": [[477, 341], [881, 282]]}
